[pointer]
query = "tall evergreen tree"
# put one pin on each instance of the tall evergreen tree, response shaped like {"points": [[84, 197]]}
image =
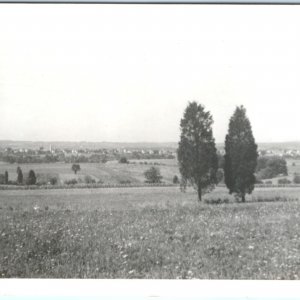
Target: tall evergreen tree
{"points": [[20, 175], [197, 157], [6, 177], [240, 155], [31, 180]]}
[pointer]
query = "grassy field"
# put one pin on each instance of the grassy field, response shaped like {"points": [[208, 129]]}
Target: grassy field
{"points": [[111, 173], [149, 233]]}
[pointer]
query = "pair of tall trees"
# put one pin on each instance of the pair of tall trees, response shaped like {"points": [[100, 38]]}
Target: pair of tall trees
{"points": [[30, 180], [197, 154]]}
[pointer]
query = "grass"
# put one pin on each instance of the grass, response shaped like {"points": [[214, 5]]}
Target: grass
{"points": [[112, 172], [148, 233]]}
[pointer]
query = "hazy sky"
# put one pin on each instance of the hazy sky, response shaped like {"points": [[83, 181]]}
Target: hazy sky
{"points": [[126, 72]]}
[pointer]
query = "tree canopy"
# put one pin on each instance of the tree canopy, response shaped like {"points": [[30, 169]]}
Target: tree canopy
{"points": [[75, 168], [240, 155], [31, 179], [153, 175], [197, 156]]}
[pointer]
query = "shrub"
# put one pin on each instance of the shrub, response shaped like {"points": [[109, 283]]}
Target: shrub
{"points": [[268, 182], [80, 180], [53, 180], [296, 178], [257, 181], [217, 201], [125, 181], [123, 160], [47, 179], [71, 181], [89, 179], [175, 179], [153, 175], [104, 160], [270, 167], [284, 181]]}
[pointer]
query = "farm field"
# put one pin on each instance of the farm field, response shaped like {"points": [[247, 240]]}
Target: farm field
{"points": [[110, 173], [149, 233], [113, 172]]}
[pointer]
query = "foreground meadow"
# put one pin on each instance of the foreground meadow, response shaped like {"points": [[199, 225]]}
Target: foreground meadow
{"points": [[149, 233]]}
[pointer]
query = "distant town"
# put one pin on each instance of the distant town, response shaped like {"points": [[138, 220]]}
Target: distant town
{"points": [[33, 152], [85, 155]]}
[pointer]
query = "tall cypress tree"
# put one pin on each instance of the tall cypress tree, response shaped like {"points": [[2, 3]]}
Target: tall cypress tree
{"points": [[240, 155], [197, 157], [20, 175], [31, 180], [6, 177]]}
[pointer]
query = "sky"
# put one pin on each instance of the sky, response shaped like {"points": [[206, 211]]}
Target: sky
{"points": [[125, 73]]}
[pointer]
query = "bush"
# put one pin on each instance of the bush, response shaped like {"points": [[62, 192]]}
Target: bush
{"points": [[268, 182], [104, 160], [284, 181], [53, 180], [270, 167], [125, 181], [175, 179], [296, 178], [257, 181], [123, 160], [217, 201], [47, 178], [153, 175], [89, 179], [71, 181]]}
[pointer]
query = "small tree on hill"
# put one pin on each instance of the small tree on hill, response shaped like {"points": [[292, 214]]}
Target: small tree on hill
{"points": [[240, 155], [31, 179], [75, 168], [197, 155], [153, 175], [20, 175]]}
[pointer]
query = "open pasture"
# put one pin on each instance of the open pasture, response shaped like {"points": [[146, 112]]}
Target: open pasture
{"points": [[148, 233], [111, 172]]}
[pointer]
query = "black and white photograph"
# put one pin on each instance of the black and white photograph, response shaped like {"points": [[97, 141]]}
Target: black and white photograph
{"points": [[150, 141]]}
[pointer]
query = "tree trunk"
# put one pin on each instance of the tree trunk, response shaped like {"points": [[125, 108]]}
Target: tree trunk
{"points": [[199, 193]]}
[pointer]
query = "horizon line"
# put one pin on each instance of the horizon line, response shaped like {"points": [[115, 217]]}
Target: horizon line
{"points": [[128, 142]]}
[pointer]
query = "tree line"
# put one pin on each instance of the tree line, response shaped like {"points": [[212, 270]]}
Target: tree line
{"points": [[30, 179]]}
